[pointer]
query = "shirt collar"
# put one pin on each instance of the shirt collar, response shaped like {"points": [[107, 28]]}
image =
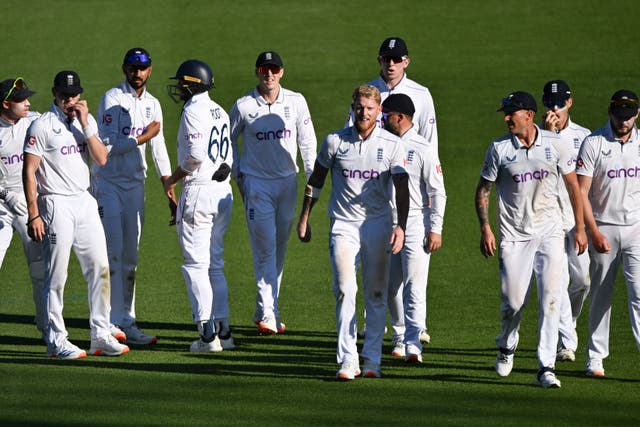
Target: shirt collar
{"points": [[127, 88], [517, 144], [611, 136], [261, 101]]}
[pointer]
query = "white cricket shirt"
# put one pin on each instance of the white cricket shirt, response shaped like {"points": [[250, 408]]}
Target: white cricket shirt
{"points": [[615, 171], [527, 184], [424, 118], [360, 172], [271, 135], [123, 117], [426, 181], [572, 136], [203, 139], [12, 137], [63, 152]]}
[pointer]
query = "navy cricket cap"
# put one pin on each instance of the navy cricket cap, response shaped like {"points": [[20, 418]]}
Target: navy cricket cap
{"points": [[624, 104], [67, 83], [518, 100], [556, 90], [269, 58], [399, 103], [15, 90], [137, 56], [393, 46]]}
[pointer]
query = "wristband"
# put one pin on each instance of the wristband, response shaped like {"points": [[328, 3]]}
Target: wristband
{"points": [[33, 219], [88, 132]]}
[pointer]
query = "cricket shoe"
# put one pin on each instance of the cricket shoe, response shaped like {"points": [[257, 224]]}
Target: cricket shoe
{"points": [[280, 327], [267, 326], [547, 378], [398, 349], [224, 334], [348, 371], [117, 333], [68, 351], [595, 368], [371, 370], [107, 346], [504, 364], [414, 355], [200, 346], [136, 336], [424, 337], [566, 355]]}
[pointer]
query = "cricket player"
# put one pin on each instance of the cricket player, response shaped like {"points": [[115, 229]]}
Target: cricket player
{"points": [[273, 123], [64, 216], [525, 166], [15, 119], [607, 168], [205, 158], [130, 119], [557, 99], [409, 269], [363, 160]]}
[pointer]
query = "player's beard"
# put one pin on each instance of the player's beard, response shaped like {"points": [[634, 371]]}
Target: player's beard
{"points": [[365, 127]]}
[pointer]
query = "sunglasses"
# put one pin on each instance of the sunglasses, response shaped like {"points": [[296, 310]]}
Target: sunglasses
{"points": [[138, 58], [625, 103], [510, 103], [395, 59], [264, 69], [558, 103], [17, 84]]}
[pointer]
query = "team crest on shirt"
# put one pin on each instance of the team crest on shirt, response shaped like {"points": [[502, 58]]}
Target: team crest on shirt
{"points": [[547, 153], [147, 112], [380, 154], [53, 238], [287, 115], [576, 143]]}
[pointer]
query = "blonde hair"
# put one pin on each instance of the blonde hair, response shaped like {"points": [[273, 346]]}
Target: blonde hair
{"points": [[367, 91]]}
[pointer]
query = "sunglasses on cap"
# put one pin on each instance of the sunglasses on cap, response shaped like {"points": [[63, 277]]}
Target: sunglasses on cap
{"points": [[17, 84], [625, 103], [138, 59], [396, 59], [511, 104], [553, 104], [264, 69]]}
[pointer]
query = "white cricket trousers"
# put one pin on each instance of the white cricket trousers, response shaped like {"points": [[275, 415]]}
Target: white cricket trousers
{"points": [[270, 209], [364, 243], [544, 256], [73, 223], [122, 214], [204, 213], [9, 222], [408, 275], [576, 276], [625, 248]]}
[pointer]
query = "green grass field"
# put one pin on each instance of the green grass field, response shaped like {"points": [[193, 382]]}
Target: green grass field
{"points": [[470, 54]]}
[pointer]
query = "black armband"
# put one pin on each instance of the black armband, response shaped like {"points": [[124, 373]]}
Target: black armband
{"points": [[401, 184]]}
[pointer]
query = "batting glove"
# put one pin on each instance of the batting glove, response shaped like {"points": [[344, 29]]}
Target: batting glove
{"points": [[16, 202]]}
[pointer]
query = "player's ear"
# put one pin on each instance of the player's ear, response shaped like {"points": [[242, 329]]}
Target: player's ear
{"points": [[569, 102]]}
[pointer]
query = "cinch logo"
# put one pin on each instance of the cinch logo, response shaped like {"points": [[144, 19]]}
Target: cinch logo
{"points": [[631, 172], [358, 174], [572, 162], [132, 131], [528, 176], [73, 149], [192, 136], [273, 134], [13, 159]]}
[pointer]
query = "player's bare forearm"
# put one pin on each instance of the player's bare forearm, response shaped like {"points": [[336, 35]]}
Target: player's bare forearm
{"points": [[483, 191], [598, 240], [487, 239], [149, 133], [35, 224]]}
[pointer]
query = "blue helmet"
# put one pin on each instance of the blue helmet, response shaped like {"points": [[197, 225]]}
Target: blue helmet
{"points": [[193, 77]]}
